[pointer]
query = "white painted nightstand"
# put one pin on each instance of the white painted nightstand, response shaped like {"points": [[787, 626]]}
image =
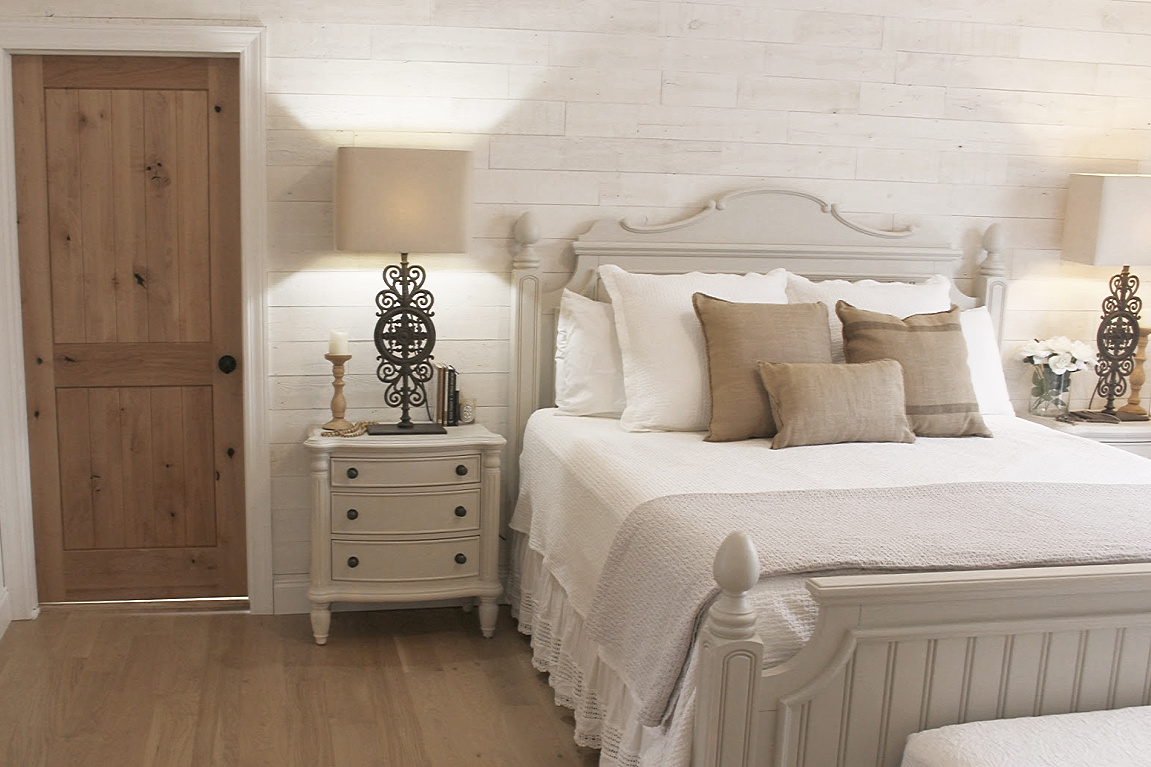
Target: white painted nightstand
{"points": [[405, 519], [1132, 436]]}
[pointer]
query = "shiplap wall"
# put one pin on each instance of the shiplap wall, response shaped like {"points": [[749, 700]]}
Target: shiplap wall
{"points": [[953, 114]]}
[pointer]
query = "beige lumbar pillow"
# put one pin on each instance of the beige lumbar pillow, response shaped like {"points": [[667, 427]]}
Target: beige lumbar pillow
{"points": [[941, 401], [736, 337], [823, 404]]}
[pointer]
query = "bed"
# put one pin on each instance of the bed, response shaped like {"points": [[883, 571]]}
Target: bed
{"points": [[799, 669]]}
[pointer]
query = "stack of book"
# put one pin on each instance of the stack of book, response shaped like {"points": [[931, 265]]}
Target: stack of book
{"points": [[446, 400]]}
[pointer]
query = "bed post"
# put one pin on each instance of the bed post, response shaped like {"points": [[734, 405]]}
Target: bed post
{"points": [[991, 284], [730, 662], [525, 350]]}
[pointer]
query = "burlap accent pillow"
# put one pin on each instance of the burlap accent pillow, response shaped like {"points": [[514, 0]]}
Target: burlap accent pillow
{"points": [[823, 404], [737, 336], [936, 379]]}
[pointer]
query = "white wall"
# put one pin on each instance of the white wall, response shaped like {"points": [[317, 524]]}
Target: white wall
{"points": [[954, 114]]}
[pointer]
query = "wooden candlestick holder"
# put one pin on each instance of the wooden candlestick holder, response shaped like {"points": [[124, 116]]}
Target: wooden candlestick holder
{"points": [[339, 404], [1133, 410]]}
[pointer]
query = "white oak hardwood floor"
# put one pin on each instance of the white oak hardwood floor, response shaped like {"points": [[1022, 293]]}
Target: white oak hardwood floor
{"points": [[417, 688]]}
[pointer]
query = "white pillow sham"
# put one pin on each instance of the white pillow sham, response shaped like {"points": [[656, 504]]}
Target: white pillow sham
{"points": [[664, 360], [985, 361], [901, 299], [589, 367]]}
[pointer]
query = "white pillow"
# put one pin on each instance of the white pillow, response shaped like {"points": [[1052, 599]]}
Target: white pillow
{"points": [[901, 299], [589, 369], [985, 362], [664, 359]]}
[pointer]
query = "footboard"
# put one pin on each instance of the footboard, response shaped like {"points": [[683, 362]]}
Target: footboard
{"points": [[895, 654]]}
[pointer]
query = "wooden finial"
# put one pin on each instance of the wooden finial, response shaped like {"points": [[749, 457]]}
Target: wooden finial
{"points": [[994, 243], [736, 570], [526, 233]]}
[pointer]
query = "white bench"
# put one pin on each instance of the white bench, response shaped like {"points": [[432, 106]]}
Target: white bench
{"points": [[1119, 738]]}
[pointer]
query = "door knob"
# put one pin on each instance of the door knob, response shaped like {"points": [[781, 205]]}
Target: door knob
{"points": [[227, 364]]}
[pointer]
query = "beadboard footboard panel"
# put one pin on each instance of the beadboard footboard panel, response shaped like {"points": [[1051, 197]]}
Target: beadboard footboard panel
{"points": [[896, 654]]}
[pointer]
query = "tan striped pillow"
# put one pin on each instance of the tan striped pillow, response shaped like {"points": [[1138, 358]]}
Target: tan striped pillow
{"points": [[737, 336], [937, 388]]}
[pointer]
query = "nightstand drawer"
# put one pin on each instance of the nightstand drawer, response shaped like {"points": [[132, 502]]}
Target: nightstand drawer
{"points": [[405, 472], [404, 561], [440, 512]]}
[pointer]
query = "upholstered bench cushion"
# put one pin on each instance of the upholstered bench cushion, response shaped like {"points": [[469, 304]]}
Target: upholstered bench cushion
{"points": [[1120, 738]]}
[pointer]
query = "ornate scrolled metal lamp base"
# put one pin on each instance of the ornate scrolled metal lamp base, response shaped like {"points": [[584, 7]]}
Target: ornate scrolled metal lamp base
{"points": [[1118, 341], [405, 337]]}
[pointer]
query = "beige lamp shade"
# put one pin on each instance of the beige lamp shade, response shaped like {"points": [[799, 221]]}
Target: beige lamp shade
{"points": [[1108, 219], [390, 200]]}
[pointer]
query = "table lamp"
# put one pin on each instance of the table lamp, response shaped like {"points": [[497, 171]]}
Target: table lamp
{"points": [[391, 200], [1108, 222]]}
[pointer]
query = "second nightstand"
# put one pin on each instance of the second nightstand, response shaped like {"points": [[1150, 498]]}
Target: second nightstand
{"points": [[404, 519], [1132, 436]]}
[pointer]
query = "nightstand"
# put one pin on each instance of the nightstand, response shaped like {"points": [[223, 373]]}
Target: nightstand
{"points": [[1132, 436], [405, 519]]}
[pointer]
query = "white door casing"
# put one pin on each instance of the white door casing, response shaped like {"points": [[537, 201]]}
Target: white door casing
{"points": [[18, 597]]}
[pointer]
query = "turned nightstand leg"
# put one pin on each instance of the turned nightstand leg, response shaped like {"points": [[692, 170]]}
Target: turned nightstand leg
{"points": [[488, 612], [321, 620]]}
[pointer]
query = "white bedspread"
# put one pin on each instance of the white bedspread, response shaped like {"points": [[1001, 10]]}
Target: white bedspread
{"points": [[1120, 738], [579, 477]]}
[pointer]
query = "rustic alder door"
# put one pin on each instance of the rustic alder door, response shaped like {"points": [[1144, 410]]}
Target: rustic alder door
{"points": [[129, 232]]}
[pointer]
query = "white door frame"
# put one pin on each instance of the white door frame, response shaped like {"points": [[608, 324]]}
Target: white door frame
{"points": [[18, 596]]}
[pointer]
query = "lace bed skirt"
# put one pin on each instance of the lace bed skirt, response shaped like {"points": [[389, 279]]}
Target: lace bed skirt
{"points": [[601, 702]]}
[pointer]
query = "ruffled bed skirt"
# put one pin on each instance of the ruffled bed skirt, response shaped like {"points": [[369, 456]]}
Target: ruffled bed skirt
{"points": [[603, 706]]}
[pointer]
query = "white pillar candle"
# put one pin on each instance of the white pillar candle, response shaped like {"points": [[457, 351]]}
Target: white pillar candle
{"points": [[338, 342]]}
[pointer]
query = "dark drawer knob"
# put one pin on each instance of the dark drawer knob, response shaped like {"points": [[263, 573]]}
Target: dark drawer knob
{"points": [[460, 559], [462, 470], [353, 514], [461, 511], [353, 562], [353, 473]]}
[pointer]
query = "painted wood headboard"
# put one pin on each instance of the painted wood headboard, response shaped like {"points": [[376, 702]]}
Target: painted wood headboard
{"points": [[752, 230]]}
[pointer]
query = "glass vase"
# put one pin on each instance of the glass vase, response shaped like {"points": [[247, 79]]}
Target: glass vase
{"points": [[1049, 392]]}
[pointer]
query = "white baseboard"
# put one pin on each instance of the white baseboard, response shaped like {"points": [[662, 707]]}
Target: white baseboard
{"points": [[5, 610], [290, 594]]}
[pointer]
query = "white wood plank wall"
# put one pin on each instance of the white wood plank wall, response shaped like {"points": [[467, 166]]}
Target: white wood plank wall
{"points": [[955, 113]]}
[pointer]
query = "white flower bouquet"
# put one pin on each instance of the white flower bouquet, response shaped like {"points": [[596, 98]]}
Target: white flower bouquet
{"points": [[1054, 360], [1060, 353]]}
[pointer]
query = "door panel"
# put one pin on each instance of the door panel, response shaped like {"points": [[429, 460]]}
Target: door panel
{"points": [[129, 246], [112, 442], [161, 290]]}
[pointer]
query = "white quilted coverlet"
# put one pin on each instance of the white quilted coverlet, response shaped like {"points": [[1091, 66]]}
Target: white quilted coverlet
{"points": [[579, 477], [1120, 738], [658, 576]]}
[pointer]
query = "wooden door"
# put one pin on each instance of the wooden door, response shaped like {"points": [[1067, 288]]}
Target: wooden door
{"points": [[129, 232]]}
